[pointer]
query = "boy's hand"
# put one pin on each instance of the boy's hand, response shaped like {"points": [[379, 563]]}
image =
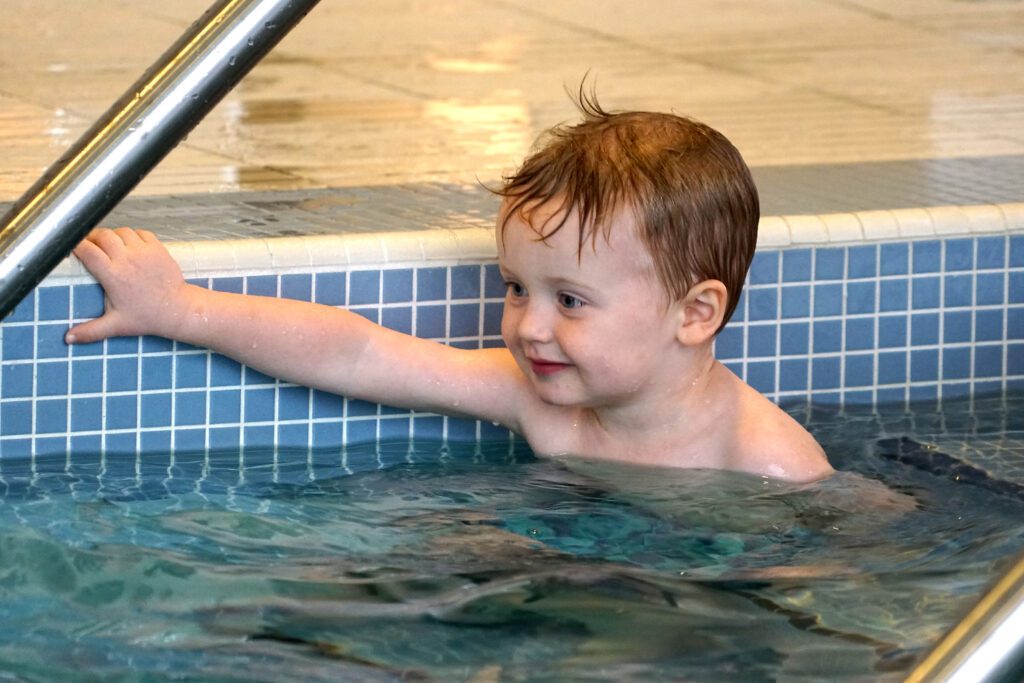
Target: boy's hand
{"points": [[145, 292]]}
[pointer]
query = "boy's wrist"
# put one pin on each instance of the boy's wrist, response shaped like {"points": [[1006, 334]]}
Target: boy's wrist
{"points": [[180, 314]]}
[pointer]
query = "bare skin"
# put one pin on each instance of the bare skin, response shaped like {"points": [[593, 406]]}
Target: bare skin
{"points": [[599, 363]]}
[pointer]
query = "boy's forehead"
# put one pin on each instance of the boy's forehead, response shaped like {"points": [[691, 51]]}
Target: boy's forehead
{"points": [[539, 215], [547, 217], [618, 240]]}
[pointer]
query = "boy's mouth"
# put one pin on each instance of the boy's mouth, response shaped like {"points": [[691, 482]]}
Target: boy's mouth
{"points": [[546, 367]]}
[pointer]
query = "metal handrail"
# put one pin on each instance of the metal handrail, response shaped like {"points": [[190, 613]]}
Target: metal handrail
{"points": [[146, 123], [987, 646]]}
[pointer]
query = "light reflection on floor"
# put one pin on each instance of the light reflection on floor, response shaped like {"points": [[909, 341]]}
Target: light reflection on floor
{"points": [[410, 91]]}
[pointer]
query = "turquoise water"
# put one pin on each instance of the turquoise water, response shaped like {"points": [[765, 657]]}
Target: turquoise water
{"points": [[482, 563]]}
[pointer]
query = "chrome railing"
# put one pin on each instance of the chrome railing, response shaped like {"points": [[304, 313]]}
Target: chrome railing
{"points": [[153, 116], [987, 646]]}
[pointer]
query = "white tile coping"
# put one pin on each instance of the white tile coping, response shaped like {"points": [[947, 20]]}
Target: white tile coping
{"points": [[394, 249]]}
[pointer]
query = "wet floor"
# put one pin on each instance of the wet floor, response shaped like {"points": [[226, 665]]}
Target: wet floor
{"points": [[396, 92]]}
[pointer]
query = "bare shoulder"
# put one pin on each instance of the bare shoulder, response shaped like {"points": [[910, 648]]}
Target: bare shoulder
{"points": [[769, 442]]}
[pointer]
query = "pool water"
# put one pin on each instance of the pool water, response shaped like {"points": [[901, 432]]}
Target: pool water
{"points": [[482, 563]]}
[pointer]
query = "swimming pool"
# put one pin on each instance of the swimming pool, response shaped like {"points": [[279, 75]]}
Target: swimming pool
{"points": [[479, 562], [182, 513]]}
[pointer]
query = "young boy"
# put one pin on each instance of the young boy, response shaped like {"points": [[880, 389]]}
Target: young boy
{"points": [[624, 241]]}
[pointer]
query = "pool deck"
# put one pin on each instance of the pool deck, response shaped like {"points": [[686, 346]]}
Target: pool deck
{"points": [[401, 107]]}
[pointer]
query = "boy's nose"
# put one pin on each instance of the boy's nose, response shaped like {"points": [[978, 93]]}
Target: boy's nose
{"points": [[535, 325]]}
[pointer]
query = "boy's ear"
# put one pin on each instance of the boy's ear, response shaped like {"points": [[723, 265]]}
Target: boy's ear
{"points": [[701, 312]]}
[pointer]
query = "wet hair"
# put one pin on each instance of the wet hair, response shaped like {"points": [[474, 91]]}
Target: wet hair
{"points": [[692, 195]]}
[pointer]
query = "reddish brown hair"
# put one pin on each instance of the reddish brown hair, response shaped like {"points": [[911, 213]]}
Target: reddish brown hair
{"points": [[692, 195]]}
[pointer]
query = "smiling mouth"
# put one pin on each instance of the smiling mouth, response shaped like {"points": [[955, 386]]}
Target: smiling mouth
{"points": [[545, 367]]}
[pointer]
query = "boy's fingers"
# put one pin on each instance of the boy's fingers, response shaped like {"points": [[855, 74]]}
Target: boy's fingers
{"points": [[92, 233], [96, 235], [108, 240], [91, 331], [92, 257], [128, 236], [147, 236]]}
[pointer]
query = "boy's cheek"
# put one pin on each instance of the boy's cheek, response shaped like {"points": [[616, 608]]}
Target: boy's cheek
{"points": [[508, 328]]}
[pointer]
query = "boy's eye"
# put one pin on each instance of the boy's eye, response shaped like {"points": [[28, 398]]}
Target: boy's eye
{"points": [[569, 301], [516, 289]]}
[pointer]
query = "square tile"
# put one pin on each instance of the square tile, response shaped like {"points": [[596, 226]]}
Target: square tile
{"points": [[862, 261], [894, 258], [397, 318], [860, 297], [330, 289], [398, 285], [764, 269], [794, 338], [16, 380], [892, 367]]}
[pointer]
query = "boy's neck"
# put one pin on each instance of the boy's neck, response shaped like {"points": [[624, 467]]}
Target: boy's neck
{"points": [[675, 407]]}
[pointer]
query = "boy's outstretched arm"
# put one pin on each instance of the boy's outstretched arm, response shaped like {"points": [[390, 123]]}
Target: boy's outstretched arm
{"points": [[308, 344]]}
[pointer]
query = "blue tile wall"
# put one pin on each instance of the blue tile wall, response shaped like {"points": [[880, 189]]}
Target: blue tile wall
{"points": [[152, 394], [894, 321]]}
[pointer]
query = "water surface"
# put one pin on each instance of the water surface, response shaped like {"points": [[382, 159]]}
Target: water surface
{"points": [[482, 563]]}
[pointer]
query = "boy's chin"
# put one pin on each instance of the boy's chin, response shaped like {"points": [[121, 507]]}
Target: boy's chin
{"points": [[555, 397], [562, 397]]}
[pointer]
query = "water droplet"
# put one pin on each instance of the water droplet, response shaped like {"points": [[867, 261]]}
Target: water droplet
{"points": [[232, 60], [251, 41]]}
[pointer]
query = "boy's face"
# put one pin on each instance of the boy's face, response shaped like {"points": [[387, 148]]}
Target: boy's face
{"points": [[591, 329]]}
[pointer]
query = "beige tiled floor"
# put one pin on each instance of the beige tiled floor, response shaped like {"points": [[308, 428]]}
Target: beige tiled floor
{"points": [[379, 92]]}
